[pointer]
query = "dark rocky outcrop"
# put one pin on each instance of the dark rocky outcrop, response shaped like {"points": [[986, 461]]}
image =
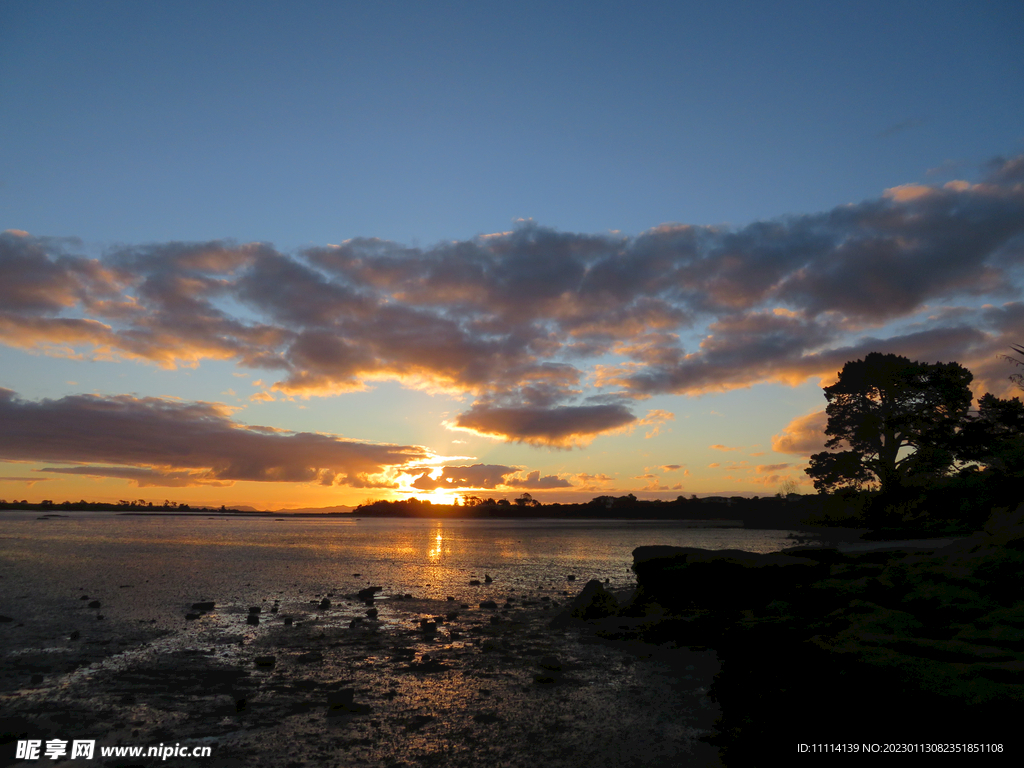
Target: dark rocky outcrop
{"points": [[819, 645]]}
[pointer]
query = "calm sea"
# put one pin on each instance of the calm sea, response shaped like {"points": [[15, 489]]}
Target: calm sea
{"points": [[150, 569]]}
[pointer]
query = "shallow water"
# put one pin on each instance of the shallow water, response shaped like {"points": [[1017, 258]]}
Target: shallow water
{"points": [[143, 567], [146, 571]]}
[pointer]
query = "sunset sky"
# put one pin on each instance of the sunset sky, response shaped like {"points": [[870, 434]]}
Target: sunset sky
{"points": [[307, 254]]}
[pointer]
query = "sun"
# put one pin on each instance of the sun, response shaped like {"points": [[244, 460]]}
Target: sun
{"points": [[440, 497]]}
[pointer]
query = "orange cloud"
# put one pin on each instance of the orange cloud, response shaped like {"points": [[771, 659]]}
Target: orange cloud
{"points": [[803, 436]]}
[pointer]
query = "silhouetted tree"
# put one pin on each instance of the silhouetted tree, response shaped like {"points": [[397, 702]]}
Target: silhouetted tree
{"points": [[995, 436], [1017, 378], [526, 500], [894, 419]]}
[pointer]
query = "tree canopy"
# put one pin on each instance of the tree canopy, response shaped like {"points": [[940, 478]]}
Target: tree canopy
{"points": [[891, 418]]}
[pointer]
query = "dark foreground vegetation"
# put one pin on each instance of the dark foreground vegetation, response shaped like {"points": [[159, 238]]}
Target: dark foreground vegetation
{"points": [[820, 646]]}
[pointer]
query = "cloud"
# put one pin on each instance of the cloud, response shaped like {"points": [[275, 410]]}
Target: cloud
{"points": [[30, 480], [145, 478], [487, 477], [548, 333], [534, 481], [168, 442], [560, 426], [762, 468], [655, 419], [803, 436]]}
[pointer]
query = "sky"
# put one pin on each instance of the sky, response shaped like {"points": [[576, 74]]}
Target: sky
{"points": [[319, 253]]}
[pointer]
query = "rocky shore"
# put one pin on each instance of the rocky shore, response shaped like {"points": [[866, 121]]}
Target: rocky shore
{"points": [[823, 646]]}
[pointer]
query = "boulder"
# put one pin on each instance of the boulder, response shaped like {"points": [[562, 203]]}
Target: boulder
{"points": [[593, 602], [366, 595]]}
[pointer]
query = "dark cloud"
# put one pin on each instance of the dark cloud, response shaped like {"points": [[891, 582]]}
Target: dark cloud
{"points": [[487, 477], [1005, 172], [560, 426], [146, 439], [144, 478], [533, 322]]}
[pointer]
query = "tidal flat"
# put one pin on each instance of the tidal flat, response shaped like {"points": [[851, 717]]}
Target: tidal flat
{"points": [[178, 632], [434, 683]]}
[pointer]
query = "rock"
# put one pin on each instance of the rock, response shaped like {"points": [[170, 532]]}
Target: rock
{"points": [[255, 609], [192, 616], [95, 604], [371, 613], [487, 579], [486, 718], [428, 627], [75, 635], [287, 621], [325, 604], [570, 577], [266, 661], [5, 619], [342, 702], [427, 665], [253, 619], [310, 657], [418, 721], [450, 599], [366, 595], [550, 663], [683, 578], [343, 697], [474, 582], [593, 602], [203, 606], [489, 605]]}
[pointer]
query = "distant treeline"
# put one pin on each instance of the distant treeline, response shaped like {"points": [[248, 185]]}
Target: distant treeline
{"points": [[941, 505], [47, 505], [775, 511]]}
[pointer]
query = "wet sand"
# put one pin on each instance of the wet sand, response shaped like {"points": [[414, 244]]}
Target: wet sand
{"points": [[474, 686]]}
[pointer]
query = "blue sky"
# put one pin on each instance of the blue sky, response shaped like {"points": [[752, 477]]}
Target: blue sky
{"points": [[139, 131]]}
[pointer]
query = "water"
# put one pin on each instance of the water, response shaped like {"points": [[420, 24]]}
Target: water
{"points": [[68, 669], [150, 569]]}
